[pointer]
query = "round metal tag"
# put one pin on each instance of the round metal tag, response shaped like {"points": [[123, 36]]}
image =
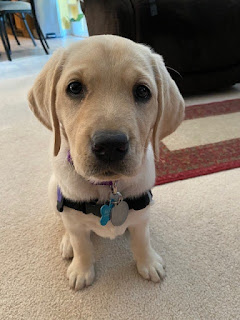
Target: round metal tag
{"points": [[119, 213]]}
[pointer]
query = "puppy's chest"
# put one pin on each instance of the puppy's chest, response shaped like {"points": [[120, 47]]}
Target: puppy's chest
{"points": [[92, 223], [108, 231]]}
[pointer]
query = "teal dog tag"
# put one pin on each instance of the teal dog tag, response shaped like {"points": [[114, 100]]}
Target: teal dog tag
{"points": [[106, 212]]}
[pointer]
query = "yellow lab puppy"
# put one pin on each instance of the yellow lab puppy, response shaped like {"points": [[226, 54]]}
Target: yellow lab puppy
{"points": [[108, 102]]}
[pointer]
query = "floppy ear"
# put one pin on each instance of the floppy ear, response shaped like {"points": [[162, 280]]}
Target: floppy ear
{"points": [[170, 104], [42, 96]]}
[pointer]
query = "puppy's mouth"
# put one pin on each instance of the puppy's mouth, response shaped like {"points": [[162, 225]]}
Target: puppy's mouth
{"points": [[109, 174], [96, 174], [97, 171], [106, 176]]}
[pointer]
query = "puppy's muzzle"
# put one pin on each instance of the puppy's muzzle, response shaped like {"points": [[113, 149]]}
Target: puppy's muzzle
{"points": [[110, 146]]}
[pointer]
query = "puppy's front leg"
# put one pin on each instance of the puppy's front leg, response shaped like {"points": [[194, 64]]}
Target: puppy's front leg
{"points": [[81, 270], [149, 264]]}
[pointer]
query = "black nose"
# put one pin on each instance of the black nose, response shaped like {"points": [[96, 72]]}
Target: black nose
{"points": [[110, 145]]}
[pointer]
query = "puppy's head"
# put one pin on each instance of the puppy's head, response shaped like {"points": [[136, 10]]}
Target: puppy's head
{"points": [[111, 97]]}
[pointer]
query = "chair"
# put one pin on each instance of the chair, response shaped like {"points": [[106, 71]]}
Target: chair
{"points": [[20, 8]]}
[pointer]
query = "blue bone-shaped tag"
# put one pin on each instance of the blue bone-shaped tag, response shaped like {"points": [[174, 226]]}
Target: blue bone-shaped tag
{"points": [[106, 212]]}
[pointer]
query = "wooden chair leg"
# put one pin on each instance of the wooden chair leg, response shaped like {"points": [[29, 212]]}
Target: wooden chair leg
{"points": [[38, 28], [4, 39], [40, 35], [28, 30], [11, 23], [44, 39], [5, 33]]}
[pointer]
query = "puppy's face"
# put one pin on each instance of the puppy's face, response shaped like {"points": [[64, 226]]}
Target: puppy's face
{"points": [[106, 102], [110, 98]]}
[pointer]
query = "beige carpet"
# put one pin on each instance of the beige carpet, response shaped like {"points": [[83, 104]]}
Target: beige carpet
{"points": [[195, 226]]}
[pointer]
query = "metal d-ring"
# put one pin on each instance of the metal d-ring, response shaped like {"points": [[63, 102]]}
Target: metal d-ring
{"points": [[114, 187]]}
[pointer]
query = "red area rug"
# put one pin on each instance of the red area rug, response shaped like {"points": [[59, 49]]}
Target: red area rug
{"points": [[200, 160]]}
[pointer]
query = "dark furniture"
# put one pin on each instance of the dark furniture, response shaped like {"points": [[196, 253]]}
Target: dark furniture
{"points": [[21, 8], [198, 38]]}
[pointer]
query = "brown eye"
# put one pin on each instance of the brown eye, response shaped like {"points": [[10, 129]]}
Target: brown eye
{"points": [[75, 88], [141, 93]]}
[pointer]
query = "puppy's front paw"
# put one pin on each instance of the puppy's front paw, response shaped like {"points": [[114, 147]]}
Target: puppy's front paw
{"points": [[151, 267], [66, 247], [79, 276]]}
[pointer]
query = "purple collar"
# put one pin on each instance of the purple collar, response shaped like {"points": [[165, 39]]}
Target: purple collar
{"points": [[69, 158], [102, 183]]}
